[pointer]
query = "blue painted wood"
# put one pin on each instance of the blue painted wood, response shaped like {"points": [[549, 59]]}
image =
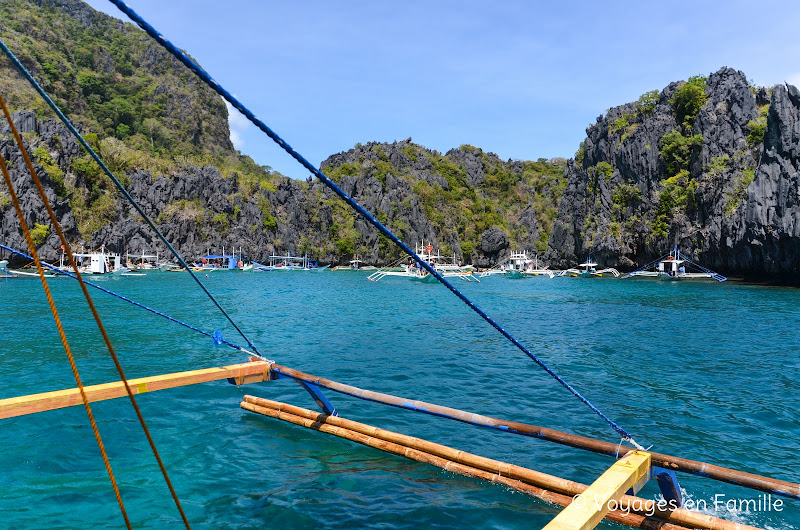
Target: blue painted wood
{"points": [[315, 391], [670, 487], [319, 398]]}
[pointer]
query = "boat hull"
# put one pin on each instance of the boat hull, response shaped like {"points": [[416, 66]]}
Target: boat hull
{"points": [[428, 278]]}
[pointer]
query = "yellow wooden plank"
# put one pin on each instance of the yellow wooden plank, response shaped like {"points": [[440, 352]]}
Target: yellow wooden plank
{"points": [[243, 373], [589, 508]]}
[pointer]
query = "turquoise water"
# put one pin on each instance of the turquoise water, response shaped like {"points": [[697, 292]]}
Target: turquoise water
{"points": [[700, 370]]}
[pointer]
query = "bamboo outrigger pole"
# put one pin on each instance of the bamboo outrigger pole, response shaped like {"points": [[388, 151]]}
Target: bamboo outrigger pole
{"points": [[541, 485], [723, 474]]}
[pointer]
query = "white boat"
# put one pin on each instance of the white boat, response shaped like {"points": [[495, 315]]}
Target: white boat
{"points": [[143, 262], [447, 268], [102, 262], [50, 270], [675, 266], [289, 263], [354, 264], [537, 270], [588, 269], [519, 265], [516, 263]]}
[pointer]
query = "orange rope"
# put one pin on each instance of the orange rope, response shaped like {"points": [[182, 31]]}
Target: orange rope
{"points": [[96, 315], [62, 334]]}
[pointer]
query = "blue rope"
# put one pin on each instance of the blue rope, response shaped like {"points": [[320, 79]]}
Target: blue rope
{"points": [[213, 336], [119, 185], [346, 198]]}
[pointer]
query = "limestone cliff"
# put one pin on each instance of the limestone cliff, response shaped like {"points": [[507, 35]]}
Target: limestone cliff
{"points": [[710, 165], [719, 180], [767, 240], [466, 202]]}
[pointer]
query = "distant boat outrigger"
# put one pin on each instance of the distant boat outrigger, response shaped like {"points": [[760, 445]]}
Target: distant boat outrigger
{"points": [[355, 264], [6, 273], [412, 271], [675, 266], [588, 269], [289, 263], [537, 270]]}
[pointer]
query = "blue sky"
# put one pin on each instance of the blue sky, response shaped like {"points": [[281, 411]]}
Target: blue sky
{"points": [[520, 79]]}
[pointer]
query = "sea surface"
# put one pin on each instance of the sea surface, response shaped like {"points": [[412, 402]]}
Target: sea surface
{"points": [[705, 371]]}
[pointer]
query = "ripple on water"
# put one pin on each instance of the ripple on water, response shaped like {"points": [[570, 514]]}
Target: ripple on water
{"points": [[705, 371]]}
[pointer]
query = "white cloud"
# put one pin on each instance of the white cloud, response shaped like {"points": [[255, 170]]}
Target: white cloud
{"points": [[237, 124], [794, 79]]}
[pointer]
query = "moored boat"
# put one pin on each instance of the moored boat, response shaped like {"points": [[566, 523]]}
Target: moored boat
{"points": [[447, 268], [100, 261], [141, 263], [355, 264], [588, 269], [516, 265], [675, 266], [519, 265], [289, 263], [222, 262]]}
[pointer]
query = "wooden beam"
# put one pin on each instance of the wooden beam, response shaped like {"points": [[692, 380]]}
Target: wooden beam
{"points": [[589, 508], [238, 374]]}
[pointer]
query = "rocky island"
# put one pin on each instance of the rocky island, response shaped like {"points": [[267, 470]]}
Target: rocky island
{"points": [[709, 164]]}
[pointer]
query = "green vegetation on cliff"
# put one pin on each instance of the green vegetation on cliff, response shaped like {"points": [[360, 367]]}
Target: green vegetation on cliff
{"points": [[463, 193], [109, 77], [39, 233], [138, 108], [757, 127], [689, 99], [647, 102], [677, 148]]}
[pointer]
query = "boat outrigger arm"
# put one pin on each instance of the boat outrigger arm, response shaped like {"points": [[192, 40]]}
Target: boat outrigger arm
{"points": [[615, 486]]}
